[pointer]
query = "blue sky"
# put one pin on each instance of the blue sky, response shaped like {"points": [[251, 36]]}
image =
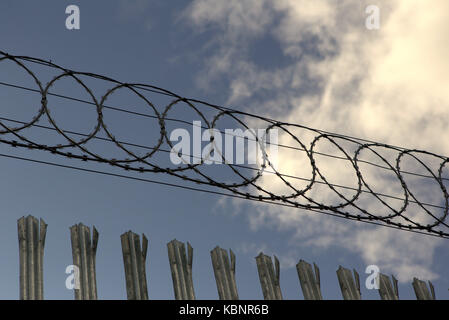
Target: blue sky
{"points": [[256, 57]]}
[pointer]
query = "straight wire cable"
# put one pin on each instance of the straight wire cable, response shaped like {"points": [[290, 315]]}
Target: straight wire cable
{"points": [[236, 165], [174, 185], [157, 90], [206, 128], [260, 192]]}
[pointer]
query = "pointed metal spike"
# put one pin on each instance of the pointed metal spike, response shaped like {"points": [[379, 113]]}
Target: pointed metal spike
{"points": [[317, 275]]}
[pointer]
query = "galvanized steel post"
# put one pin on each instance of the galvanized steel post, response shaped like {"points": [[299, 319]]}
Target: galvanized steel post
{"points": [[31, 254], [134, 260], [269, 277], [388, 290], [224, 271], [84, 249], [310, 282], [181, 269], [350, 287], [421, 290]]}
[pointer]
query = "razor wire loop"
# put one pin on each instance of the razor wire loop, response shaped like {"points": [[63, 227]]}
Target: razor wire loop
{"points": [[145, 164], [264, 156], [396, 213]]}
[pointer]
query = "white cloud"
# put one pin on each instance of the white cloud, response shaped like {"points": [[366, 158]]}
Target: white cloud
{"points": [[388, 85], [233, 15]]}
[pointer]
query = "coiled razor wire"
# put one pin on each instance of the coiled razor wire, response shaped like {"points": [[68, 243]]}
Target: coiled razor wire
{"points": [[438, 225]]}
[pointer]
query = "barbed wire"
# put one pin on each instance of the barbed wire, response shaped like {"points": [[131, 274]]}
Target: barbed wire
{"points": [[18, 144], [219, 130], [174, 185], [248, 187]]}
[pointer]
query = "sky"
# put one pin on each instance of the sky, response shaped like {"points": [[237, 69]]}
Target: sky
{"points": [[313, 63]]}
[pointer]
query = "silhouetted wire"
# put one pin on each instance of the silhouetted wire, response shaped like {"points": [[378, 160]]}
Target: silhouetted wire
{"points": [[165, 92], [221, 131], [236, 165], [174, 185], [238, 188]]}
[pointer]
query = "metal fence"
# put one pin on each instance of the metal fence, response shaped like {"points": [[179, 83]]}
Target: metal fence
{"points": [[31, 234]]}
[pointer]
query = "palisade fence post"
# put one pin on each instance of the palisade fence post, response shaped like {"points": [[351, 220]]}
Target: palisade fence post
{"points": [[310, 282], [31, 253], [350, 287], [269, 277], [387, 289], [181, 269], [421, 290], [134, 260], [84, 250], [224, 271]]}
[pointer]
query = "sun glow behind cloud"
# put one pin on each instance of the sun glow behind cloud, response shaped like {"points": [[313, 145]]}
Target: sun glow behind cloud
{"points": [[388, 85]]}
